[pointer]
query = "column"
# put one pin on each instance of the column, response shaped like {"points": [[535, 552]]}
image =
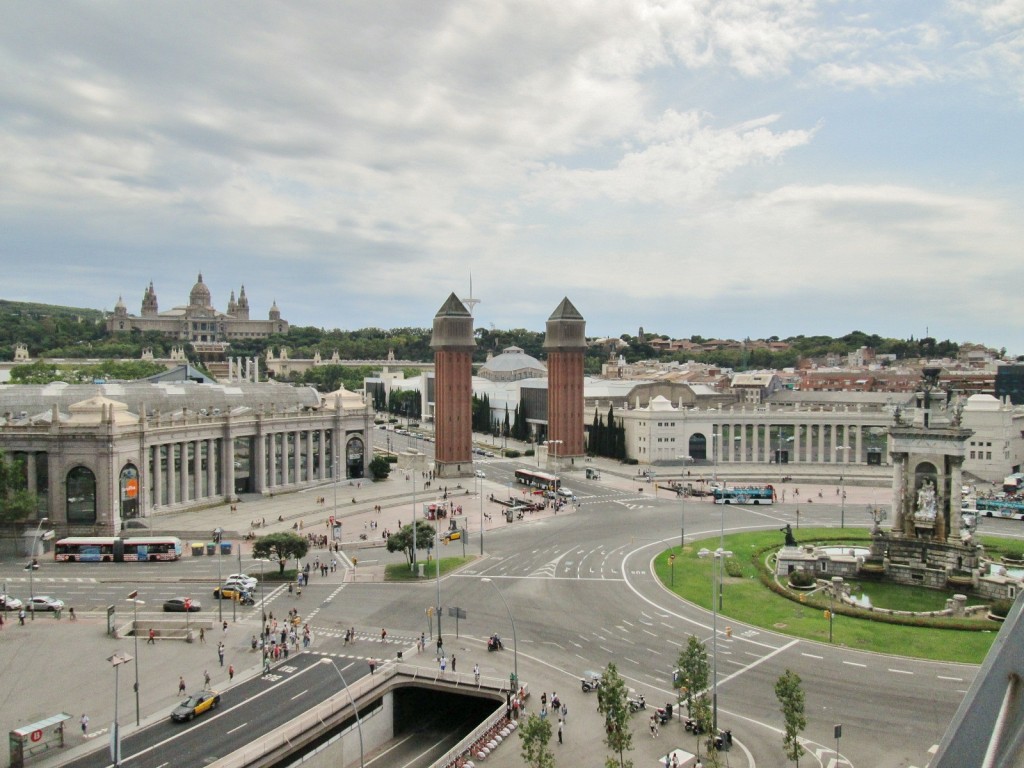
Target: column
{"points": [[297, 461], [211, 467], [310, 469], [796, 442], [172, 488], [899, 471], [183, 491], [197, 470], [858, 440], [157, 476], [767, 449], [956, 480], [322, 459], [227, 462], [260, 462], [272, 459], [743, 442]]}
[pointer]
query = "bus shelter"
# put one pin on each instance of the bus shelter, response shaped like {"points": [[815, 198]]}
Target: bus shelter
{"points": [[33, 739]]}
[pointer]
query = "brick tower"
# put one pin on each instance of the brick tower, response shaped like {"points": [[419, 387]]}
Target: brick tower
{"points": [[453, 346], [565, 342]]}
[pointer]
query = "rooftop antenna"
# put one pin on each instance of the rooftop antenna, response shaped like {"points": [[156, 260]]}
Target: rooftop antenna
{"points": [[470, 302]]}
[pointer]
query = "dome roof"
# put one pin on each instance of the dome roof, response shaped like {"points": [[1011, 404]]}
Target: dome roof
{"points": [[200, 295], [512, 359]]}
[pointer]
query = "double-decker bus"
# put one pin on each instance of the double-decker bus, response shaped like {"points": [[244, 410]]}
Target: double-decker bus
{"points": [[114, 549], [538, 479], [1012, 508], [750, 494]]}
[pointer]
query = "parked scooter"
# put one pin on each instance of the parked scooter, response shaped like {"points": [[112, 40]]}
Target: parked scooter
{"points": [[637, 703], [693, 726], [723, 740], [663, 714], [589, 684]]}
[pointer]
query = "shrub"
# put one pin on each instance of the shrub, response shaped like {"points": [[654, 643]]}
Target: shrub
{"points": [[1000, 607], [733, 567], [512, 454], [631, 462], [802, 579]]}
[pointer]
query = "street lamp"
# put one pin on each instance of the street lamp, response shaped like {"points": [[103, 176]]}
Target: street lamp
{"points": [[515, 644], [218, 533], [716, 567], [481, 516], [32, 565], [117, 660], [682, 510], [133, 598], [842, 491], [263, 611], [355, 709]]}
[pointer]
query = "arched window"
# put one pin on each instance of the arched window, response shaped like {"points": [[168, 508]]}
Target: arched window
{"points": [[80, 489], [129, 485], [354, 457]]}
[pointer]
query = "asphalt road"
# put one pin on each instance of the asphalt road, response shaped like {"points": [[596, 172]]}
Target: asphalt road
{"points": [[581, 593]]}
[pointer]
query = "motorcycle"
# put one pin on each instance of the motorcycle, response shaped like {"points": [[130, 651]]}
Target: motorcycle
{"points": [[590, 683], [637, 703], [494, 643], [663, 714], [693, 726], [723, 740]]}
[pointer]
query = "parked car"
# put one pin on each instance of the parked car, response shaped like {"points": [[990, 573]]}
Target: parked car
{"points": [[45, 603], [8, 603], [181, 605], [196, 704]]}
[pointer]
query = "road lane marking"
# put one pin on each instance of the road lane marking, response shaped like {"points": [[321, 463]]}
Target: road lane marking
{"points": [[811, 655], [950, 679], [243, 725], [900, 671], [855, 664]]}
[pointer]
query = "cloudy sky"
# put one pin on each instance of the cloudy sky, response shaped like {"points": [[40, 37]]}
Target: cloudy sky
{"points": [[715, 167]]}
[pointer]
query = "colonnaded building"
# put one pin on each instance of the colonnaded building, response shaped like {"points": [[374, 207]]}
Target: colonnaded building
{"points": [[101, 456]]}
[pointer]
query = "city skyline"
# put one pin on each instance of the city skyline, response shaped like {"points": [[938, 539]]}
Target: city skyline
{"points": [[731, 169]]}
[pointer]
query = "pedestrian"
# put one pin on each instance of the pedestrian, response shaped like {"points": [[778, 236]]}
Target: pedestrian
{"points": [[559, 730], [202, 635], [453, 662], [206, 679], [181, 685], [220, 653], [71, 613], [225, 626], [444, 664], [21, 617], [654, 726], [152, 637], [383, 635], [85, 723], [565, 712], [231, 672], [476, 673]]}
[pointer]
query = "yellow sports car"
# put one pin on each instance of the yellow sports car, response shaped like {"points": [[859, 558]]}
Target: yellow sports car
{"points": [[194, 705]]}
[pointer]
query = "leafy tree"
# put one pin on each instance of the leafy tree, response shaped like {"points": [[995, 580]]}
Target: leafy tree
{"points": [[16, 502], [402, 541], [612, 702], [693, 671], [380, 468], [282, 546], [791, 698], [535, 735]]}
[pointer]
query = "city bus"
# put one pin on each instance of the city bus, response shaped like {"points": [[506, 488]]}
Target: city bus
{"points": [[114, 549], [750, 494], [538, 479], [1011, 508]]}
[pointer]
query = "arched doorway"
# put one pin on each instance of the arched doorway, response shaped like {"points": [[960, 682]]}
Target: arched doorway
{"points": [[80, 492], [129, 492], [698, 447], [354, 457]]}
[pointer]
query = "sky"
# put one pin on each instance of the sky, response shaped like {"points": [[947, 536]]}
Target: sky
{"points": [[724, 168]]}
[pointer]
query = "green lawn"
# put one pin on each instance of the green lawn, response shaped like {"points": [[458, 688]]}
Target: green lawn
{"points": [[401, 571], [746, 599]]}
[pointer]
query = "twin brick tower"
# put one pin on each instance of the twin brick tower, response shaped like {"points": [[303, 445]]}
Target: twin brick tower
{"points": [[453, 343]]}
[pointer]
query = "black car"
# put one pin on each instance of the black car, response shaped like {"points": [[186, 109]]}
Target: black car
{"points": [[182, 605]]}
